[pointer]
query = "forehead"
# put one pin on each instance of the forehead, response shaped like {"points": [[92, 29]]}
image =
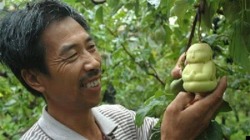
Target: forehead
{"points": [[63, 32]]}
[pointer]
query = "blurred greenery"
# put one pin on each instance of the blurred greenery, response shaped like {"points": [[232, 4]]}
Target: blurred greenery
{"points": [[140, 42]]}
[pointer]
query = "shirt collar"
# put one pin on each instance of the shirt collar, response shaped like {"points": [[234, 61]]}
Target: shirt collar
{"points": [[59, 131], [106, 125]]}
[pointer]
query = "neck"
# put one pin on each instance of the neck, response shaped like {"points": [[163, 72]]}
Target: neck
{"points": [[81, 121]]}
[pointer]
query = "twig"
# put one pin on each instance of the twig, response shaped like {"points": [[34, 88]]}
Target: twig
{"points": [[140, 64], [192, 31], [144, 65], [200, 10], [156, 75]]}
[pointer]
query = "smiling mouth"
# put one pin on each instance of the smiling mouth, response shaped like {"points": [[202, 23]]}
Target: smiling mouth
{"points": [[91, 84]]}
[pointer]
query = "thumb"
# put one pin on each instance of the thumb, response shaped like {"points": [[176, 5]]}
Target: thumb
{"points": [[219, 91], [215, 99]]}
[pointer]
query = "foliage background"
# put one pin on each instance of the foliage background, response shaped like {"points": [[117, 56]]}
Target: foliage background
{"points": [[140, 42]]}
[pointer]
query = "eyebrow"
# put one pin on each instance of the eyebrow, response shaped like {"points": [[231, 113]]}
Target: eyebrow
{"points": [[68, 47]]}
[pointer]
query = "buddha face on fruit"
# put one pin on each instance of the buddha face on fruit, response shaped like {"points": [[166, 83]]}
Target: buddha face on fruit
{"points": [[199, 54]]}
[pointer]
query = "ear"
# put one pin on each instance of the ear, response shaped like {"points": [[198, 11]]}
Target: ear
{"points": [[33, 79]]}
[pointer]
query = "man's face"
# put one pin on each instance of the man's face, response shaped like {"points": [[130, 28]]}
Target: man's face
{"points": [[71, 55]]}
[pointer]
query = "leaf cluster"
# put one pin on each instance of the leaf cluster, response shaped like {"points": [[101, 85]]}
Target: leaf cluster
{"points": [[140, 44]]}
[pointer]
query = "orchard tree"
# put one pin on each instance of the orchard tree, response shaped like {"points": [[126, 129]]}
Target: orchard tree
{"points": [[140, 41]]}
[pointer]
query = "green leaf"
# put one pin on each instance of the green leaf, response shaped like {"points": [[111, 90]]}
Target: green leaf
{"points": [[137, 7], [144, 111], [191, 1], [179, 8], [140, 21], [99, 14], [11, 102], [70, 1], [231, 9], [115, 5], [213, 132], [225, 107], [238, 48], [210, 9], [245, 27]]}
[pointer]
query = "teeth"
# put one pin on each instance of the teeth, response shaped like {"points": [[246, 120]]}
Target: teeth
{"points": [[92, 84]]}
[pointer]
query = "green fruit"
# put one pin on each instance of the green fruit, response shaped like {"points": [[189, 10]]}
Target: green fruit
{"points": [[199, 75], [198, 53], [176, 86], [159, 36], [199, 86]]}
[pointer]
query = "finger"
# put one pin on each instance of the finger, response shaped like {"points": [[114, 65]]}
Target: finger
{"points": [[196, 98], [177, 70], [209, 104], [181, 59], [216, 98], [182, 100]]}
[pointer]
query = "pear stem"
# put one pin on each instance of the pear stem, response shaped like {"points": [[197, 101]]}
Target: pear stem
{"points": [[199, 12]]}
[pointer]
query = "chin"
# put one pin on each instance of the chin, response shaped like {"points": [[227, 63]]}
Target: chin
{"points": [[94, 103]]}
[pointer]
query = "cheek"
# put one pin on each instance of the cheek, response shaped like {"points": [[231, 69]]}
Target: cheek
{"points": [[97, 57], [65, 74]]}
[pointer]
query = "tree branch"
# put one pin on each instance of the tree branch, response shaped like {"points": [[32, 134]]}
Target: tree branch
{"points": [[143, 65], [199, 12], [192, 31]]}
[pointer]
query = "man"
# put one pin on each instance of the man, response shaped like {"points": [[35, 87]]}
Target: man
{"points": [[48, 48]]}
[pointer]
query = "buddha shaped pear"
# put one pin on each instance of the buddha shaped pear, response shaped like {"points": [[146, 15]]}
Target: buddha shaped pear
{"points": [[199, 74]]}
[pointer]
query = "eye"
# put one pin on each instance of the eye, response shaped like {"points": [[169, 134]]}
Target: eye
{"points": [[73, 56], [91, 48]]}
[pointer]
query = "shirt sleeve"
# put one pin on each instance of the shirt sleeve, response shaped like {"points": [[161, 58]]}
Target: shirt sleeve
{"points": [[144, 131]]}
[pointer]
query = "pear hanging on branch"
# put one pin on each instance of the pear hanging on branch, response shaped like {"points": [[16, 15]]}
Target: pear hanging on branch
{"points": [[199, 74]]}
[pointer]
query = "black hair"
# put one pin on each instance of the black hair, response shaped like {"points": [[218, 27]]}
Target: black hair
{"points": [[20, 36]]}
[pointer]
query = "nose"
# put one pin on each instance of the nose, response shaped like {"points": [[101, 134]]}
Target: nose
{"points": [[93, 62]]}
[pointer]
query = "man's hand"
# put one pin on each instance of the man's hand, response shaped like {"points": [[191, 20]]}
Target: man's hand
{"points": [[189, 114]]}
